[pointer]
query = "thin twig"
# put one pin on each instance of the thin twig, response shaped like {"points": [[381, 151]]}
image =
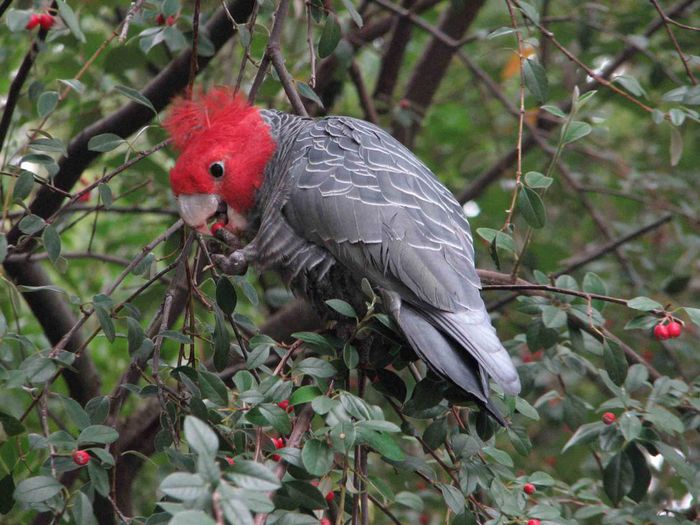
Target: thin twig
{"points": [[521, 120], [682, 56], [194, 58], [135, 8]]}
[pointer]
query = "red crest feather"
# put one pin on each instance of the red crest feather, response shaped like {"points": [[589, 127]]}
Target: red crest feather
{"points": [[190, 118]]}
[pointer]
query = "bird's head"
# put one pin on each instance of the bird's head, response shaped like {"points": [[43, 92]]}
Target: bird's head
{"points": [[224, 146]]}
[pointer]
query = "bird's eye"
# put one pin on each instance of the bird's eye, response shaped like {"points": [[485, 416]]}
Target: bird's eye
{"points": [[216, 169]]}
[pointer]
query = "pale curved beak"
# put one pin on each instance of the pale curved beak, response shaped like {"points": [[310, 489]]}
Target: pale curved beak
{"points": [[197, 209]]}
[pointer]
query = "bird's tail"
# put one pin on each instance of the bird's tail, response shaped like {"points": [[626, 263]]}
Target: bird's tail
{"points": [[446, 357]]}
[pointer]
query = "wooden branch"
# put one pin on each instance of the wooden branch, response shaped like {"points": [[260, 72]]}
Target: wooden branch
{"points": [[432, 66]]}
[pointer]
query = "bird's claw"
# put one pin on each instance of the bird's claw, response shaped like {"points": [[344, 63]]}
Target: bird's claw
{"points": [[233, 264]]}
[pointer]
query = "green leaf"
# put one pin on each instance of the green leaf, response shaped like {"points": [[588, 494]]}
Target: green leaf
{"points": [[191, 517], [304, 394], [16, 19], [500, 456], [536, 80], [315, 367], [307, 92], [382, 442], [532, 208], [222, 341], [52, 242], [134, 335], [584, 434], [615, 362], [234, 505], [105, 193], [46, 103], [3, 250], [631, 84], [630, 426], [254, 476], [553, 317], [535, 179], [70, 19], [664, 420], [618, 477], [134, 95], [105, 142], [31, 224], [313, 338], [640, 469], [226, 296], [350, 356], [575, 131], [184, 486], [694, 314], [98, 434], [106, 322], [82, 510], [10, 426], [276, 417], [48, 144], [330, 36], [37, 489], [23, 185], [594, 284], [529, 11], [200, 437], [213, 388], [410, 500], [99, 478], [342, 307], [554, 110], [317, 457], [343, 436], [453, 497], [353, 12], [76, 412], [644, 303]]}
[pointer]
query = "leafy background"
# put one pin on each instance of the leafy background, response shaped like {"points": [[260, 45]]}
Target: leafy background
{"points": [[117, 339]]}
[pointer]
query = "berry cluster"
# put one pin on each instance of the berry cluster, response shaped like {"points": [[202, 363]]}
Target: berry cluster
{"points": [[44, 20], [284, 405], [667, 330], [162, 20], [278, 443]]}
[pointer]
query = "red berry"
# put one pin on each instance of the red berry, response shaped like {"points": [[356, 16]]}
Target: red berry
{"points": [[278, 442], [325, 521], [330, 496], [424, 519], [170, 21], [34, 20], [404, 103], [284, 404], [533, 522], [216, 227], [315, 483], [609, 418], [160, 19], [230, 460], [80, 457], [661, 332], [674, 329], [529, 489], [46, 21], [276, 457]]}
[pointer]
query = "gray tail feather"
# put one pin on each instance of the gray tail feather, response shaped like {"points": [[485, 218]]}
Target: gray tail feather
{"points": [[446, 358]]}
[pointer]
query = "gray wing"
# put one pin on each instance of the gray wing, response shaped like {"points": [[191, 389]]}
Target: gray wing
{"points": [[374, 205], [363, 196]]}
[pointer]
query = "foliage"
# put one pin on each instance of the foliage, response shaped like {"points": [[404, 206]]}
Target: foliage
{"points": [[117, 338]]}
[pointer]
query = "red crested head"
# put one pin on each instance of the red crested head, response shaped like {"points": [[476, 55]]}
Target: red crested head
{"points": [[224, 146]]}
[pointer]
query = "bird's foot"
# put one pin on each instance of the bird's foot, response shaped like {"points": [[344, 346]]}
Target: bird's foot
{"points": [[234, 264]]}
